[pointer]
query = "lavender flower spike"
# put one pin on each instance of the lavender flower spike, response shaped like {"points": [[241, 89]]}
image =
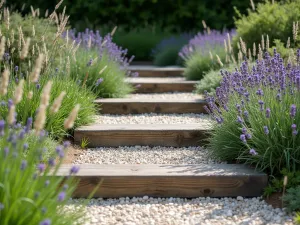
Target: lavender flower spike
{"points": [[74, 169], [268, 112], [293, 111], [45, 222], [61, 196], [243, 138], [99, 81], [266, 130], [252, 152]]}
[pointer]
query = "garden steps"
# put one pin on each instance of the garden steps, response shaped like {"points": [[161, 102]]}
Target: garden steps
{"points": [[115, 135], [196, 180], [153, 71], [161, 84], [121, 106]]}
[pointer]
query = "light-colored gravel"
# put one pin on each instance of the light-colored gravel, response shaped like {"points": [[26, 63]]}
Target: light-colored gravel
{"points": [[153, 118], [175, 95], [178, 211], [144, 155]]}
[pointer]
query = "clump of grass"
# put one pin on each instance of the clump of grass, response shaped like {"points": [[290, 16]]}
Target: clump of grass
{"points": [[257, 118]]}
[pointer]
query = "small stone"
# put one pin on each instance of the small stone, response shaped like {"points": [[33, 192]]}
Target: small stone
{"points": [[239, 198]]}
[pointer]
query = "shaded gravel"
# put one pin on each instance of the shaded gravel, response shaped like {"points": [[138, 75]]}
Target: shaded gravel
{"points": [[144, 155], [178, 211]]}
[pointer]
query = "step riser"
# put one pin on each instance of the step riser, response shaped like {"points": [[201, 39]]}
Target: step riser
{"points": [[164, 87], [151, 107], [175, 138], [187, 181]]}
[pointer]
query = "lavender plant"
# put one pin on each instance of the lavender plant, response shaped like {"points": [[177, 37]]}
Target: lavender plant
{"points": [[205, 52], [99, 64], [256, 115]]}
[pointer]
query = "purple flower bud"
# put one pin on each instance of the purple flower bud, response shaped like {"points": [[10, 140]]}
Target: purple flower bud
{"points": [[248, 136], [41, 167], [2, 126], [244, 130], [66, 144], [293, 111], [243, 138], [45, 222], [61, 196], [74, 169], [22, 134], [6, 151], [99, 81], [252, 152], [23, 164], [38, 86], [295, 132], [261, 103], [28, 124], [36, 194], [16, 68], [47, 182], [239, 120], [278, 97], [294, 126], [246, 114], [260, 92], [268, 112], [51, 162], [10, 103], [44, 210], [89, 62], [25, 146], [266, 130]]}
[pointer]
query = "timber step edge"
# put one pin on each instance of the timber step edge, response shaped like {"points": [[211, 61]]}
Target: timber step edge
{"points": [[187, 181], [122, 106], [161, 85], [153, 71], [115, 135]]}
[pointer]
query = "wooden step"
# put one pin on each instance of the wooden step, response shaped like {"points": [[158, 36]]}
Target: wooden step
{"points": [[153, 71], [138, 106], [115, 135], [188, 181], [161, 84]]}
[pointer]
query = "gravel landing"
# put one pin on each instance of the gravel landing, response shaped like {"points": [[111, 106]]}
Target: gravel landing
{"points": [[153, 118], [173, 95], [178, 211], [144, 155]]}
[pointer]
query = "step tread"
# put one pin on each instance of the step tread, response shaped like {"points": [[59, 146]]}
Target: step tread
{"points": [[155, 68], [159, 80], [141, 127], [158, 100], [173, 170]]}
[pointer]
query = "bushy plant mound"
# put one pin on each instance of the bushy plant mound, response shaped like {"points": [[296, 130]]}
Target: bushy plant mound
{"points": [[100, 65], [166, 52], [292, 199], [202, 52], [274, 19], [140, 42], [212, 80], [257, 116]]}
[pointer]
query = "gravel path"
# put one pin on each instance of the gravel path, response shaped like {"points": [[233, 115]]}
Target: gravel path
{"points": [[144, 155], [153, 118], [178, 211], [175, 95]]}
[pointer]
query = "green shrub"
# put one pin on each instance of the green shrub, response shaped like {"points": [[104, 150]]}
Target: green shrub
{"points": [[168, 57], [55, 123], [139, 42], [292, 199], [109, 84], [272, 19], [256, 124], [297, 218], [212, 79], [198, 64]]}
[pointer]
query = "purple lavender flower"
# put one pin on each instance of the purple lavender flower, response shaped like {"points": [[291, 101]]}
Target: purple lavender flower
{"points": [[66, 144], [23, 164], [252, 152], [6, 151], [261, 103], [38, 86], [28, 124], [268, 112], [51, 162], [246, 114], [65, 187], [47, 182], [243, 138], [61, 196], [41, 167], [260, 92], [59, 150], [44, 210], [89, 63], [74, 169], [1, 206], [244, 130], [10, 103], [2, 126], [45, 222], [293, 111], [266, 130], [294, 131], [99, 81], [239, 120], [25, 146], [248, 136]]}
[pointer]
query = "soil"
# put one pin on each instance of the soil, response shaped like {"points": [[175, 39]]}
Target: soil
{"points": [[274, 200]]}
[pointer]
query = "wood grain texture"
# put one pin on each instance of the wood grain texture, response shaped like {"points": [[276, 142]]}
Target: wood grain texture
{"points": [[215, 180], [123, 106], [115, 135], [161, 85], [153, 71]]}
